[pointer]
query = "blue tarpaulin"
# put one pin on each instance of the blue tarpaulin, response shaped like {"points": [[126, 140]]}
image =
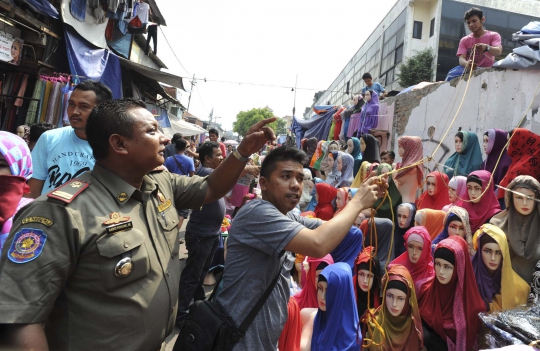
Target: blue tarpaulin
{"points": [[44, 7], [317, 126], [160, 114], [93, 63]]}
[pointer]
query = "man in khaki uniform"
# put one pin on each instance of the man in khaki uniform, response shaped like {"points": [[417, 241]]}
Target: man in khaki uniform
{"points": [[96, 260]]}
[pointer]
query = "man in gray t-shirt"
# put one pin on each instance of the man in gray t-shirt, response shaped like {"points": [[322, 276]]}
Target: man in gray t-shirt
{"points": [[264, 233]]}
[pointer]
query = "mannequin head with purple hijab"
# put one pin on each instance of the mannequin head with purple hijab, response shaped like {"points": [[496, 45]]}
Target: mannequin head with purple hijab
{"points": [[494, 142]]}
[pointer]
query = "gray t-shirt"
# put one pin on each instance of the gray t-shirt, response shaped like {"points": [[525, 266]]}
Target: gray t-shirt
{"points": [[257, 238]]}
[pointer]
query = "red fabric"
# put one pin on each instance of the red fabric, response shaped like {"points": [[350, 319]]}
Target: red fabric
{"points": [[421, 271], [12, 189], [289, 339], [339, 123], [440, 198], [452, 309], [524, 150], [307, 297], [325, 193], [487, 207], [135, 22], [110, 28], [223, 149], [412, 154]]}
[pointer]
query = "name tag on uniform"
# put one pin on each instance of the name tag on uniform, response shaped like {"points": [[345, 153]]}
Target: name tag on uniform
{"points": [[119, 228]]}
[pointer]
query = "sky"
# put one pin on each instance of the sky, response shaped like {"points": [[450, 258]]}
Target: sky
{"points": [[263, 43]]}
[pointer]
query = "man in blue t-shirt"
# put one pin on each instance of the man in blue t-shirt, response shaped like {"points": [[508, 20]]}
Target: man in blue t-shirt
{"points": [[63, 153], [180, 163], [373, 86]]}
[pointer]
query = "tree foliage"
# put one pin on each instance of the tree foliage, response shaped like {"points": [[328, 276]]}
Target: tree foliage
{"points": [[245, 119], [416, 69]]}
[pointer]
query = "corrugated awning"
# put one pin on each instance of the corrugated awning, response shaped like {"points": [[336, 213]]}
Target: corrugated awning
{"points": [[154, 74]]}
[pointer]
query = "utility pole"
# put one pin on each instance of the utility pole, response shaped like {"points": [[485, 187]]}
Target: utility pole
{"points": [[294, 106], [193, 82]]}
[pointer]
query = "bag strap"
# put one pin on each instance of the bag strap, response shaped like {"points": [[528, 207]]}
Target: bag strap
{"points": [[251, 316], [179, 165]]}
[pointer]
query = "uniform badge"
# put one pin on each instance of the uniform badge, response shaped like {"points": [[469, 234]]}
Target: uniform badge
{"points": [[165, 204], [122, 197], [27, 245], [115, 218], [37, 219], [123, 268], [76, 184], [161, 197]]}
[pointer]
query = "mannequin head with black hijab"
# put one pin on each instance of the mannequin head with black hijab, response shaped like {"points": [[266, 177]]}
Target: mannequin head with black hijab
{"points": [[369, 145]]}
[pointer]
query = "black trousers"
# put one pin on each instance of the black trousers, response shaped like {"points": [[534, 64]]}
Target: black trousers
{"points": [[152, 34]]}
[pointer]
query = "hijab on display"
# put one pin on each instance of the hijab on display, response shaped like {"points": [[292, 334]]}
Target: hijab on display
{"points": [[439, 198], [460, 214], [452, 309], [432, 220], [421, 271], [348, 248], [503, 289], [317, 154], [403, 332], [371, 153], [336, 328], [399, 232], [523, 230], [361, 175], [326, 195], [367, 260], [459, 185], [413, 152], [370, 114], [25, 131], [291, 334], [311, 146], [466, 161], [313, 203], [308, 186], [488, 205], [524, 150], [324, 152], [307, 297], [334, 175], [347, 165], [343, 198], [386, 205], [381, 239], [357, 155], [497, 140]]}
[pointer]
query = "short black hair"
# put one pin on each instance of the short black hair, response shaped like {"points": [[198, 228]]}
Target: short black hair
{"points": [[180, 144], [108, 118], [281, 154], [473, 11], [222, 139], [207, 149], [37, 129], [392, 154], [213, 131], [367, 76], [103, 93], [175, 137]]}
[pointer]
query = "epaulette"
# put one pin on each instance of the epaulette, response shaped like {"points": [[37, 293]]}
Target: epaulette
{"points": [[158, 169], [69, 191]]}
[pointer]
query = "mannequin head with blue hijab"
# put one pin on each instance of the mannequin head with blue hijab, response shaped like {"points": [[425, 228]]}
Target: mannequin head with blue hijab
{"points": [[336, 322], [355, 152]]}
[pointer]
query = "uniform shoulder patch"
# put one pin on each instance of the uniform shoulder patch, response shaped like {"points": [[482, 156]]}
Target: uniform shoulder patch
{"points": [[27, 245], [69, 191], [37, 219]]}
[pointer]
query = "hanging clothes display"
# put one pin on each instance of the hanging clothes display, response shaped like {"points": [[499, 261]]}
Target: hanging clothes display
{"points": [[12, 107], [338, 123], [370, 114]]}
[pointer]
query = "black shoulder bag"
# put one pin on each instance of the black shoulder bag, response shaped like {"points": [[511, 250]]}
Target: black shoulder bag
{"points": [[208, 327], [179, 166]]}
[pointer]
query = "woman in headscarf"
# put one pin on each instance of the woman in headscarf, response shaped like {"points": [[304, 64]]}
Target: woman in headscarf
{"points": [[467, 158], [433, 220], [306, 190], [456, 223], [347, 164], [498, 284], [450, 302], [494, 146], [307, 297], [379, 235], [370, 113], [342, 198], [15, 170], [313, 203], [411, 151], [317, 154], [366, 279], [354, 145], [404, 221], [325, 195], [398, 316], [349, 247], [335, 325], [369, 145], [456, 187], [480, 207], [388, 205], [434, 197], [521, 224], [524, 150], [23, 131], [417, 259], [362, 174]]}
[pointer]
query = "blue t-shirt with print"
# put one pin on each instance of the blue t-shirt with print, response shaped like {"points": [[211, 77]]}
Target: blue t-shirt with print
{"points": [[59, 156], [377, 87]]}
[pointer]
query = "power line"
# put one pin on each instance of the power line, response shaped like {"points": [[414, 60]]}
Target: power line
{"points": [[170, 47], [262, 85]]}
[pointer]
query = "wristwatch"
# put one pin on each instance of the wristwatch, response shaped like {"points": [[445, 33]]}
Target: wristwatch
{"points": [[240, 157], [488, 48]]}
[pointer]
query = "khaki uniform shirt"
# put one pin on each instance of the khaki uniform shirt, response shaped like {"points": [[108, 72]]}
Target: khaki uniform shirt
{"points": [[71, 285]]}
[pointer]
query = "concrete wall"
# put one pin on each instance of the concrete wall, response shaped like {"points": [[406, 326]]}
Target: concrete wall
{"points": [[495, 98]]}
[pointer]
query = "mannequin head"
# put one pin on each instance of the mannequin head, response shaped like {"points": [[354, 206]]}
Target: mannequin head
{"points": [[322, 285], [367, 96], [431, 185], [355, 100], [444, 265], [452, 196], [523, 202], [329, 162], [474, 188], [485, 142], [340, 201], [458, 142], [384, 168], [491, 253], [365, 280], [456, 227], [401, 151], [404, 213], [20, 131], [333, 147], [362, 145], [318, 271], [396, 297], [415, 245], [350, 146], [308, 180]]}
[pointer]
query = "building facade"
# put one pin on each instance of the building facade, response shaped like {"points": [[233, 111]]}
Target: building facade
{"points": [[414, 25]]}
